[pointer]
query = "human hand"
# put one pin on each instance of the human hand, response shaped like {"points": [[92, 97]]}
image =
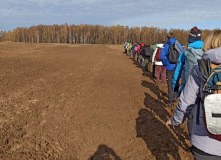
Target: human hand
{"points": [[169, 122]]}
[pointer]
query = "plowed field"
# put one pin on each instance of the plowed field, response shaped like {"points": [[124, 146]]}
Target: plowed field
{"points": [[82, 102]]}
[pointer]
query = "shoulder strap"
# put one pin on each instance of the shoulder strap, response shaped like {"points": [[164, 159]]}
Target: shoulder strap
{"points": [[204, 68], [198, 111]]}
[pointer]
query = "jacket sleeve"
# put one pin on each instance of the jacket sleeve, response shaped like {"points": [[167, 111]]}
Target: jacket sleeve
{"points": [[178, 70], [187, 98], [154, 54], [163, 54]]}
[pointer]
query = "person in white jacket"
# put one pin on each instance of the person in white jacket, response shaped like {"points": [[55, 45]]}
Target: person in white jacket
{"points": [[159, 68]]}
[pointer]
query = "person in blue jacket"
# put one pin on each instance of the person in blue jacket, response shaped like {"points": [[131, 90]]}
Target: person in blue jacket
{"points": [[186, 61], [169, 68], [203, 145], [188, 58]]}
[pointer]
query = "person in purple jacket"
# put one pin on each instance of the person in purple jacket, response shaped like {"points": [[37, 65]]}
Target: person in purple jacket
{"points": [[204, 146]]}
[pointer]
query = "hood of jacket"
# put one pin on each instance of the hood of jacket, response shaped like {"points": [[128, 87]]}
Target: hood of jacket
{"points": [[160, 45], [171, 40], [196, 45], [193, 53], [214, 55]]}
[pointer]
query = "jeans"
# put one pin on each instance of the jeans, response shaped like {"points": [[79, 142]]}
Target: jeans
{"points": [[130, 53], [141, 59], [134, 55]]}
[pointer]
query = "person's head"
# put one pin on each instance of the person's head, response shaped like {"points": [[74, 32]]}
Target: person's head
{"points": [[170, 35], [213, 40], [195, 35]]}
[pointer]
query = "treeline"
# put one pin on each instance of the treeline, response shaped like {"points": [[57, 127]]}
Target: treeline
{"points": [[92, 34]]}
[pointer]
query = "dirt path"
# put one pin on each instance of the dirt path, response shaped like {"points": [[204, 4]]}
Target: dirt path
{"points": [[82, 102]]}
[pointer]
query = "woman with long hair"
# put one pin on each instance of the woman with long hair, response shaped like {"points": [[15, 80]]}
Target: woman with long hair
{"points": [[204, 145]]}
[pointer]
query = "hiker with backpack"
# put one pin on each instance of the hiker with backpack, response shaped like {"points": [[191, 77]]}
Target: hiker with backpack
{"points": [[142, 51], [129, 49], [169, 55], [160, 69], [148, 57], [202, 94], [134, 50], [186, 61], [138, 52], [188, 58], [126, 44], [153, 65]]}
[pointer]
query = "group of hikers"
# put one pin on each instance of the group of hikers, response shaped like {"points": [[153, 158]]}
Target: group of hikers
{"points": [[193, 75]]}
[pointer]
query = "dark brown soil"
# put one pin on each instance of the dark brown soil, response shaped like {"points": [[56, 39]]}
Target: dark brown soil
{"points": [[82, 102]]}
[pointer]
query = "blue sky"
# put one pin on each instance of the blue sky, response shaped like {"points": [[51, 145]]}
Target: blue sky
{"points": [[177, 14]]}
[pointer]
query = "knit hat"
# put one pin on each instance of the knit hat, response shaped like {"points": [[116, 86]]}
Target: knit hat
{"points": [[195, 35]]}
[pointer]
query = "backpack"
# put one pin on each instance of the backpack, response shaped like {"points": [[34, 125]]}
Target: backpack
{"points": [[173, 53], [212, 101], [142, 50], [126, 45], [158, 54], [191, 57], [135, 48], [148, 51]]}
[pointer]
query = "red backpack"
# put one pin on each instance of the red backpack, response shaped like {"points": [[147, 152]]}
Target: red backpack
{"points": [[158, 54]]}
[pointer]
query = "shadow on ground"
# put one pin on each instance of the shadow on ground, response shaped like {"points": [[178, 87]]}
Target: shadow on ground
{"points": [[164, 143], [104, 153], [156, 90]]}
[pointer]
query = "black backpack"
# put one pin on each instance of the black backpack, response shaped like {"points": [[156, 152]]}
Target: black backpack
{"points": [[148, 52], [142, 50], [173, 54]]}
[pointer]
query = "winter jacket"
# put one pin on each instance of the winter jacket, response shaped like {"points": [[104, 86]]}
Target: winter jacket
{"points": [[164, 55], [200, 138], [133, 48], [186, 61], [159, 63], [126, 45], [129, 47]]}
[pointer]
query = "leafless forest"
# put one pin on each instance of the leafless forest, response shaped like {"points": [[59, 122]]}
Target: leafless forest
{"points": [[92, 34]]}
